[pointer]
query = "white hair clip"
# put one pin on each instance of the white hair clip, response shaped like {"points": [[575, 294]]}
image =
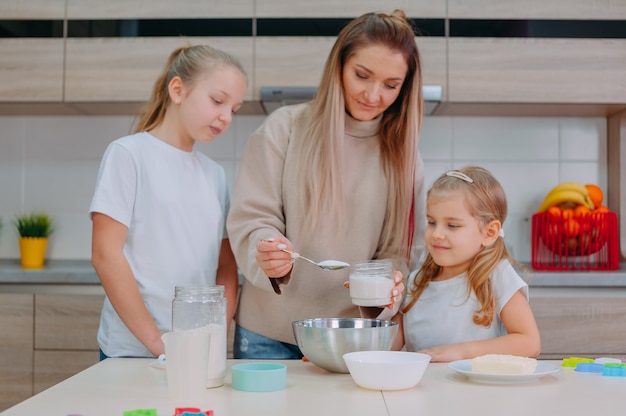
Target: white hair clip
{"points": [[459, 175], [501, 233]]}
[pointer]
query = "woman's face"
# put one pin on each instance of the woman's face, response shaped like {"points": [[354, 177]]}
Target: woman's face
{"points": [[372, 78]]}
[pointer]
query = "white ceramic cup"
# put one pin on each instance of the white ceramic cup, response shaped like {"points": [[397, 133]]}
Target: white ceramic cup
{"points": [[186, 361], [371, 283]]}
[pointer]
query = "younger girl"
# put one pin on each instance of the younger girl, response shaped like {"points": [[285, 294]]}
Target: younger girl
{"points": [[159, 208], [466, 299]]}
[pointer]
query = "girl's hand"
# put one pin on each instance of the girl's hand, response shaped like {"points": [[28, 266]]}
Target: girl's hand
{"points": [[445, 353], [272, 260]]}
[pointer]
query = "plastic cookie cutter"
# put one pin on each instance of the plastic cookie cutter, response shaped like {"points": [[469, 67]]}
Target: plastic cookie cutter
{"points": [[141, 412], [573, 361], [590, 368], [191, 411], [614, 370], [608, 360]]}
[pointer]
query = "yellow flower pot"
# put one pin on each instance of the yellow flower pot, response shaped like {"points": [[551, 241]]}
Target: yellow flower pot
{"points": [[33, 252]]}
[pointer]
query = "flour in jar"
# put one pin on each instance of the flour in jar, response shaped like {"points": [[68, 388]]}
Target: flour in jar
{"points": [[217, 355]]}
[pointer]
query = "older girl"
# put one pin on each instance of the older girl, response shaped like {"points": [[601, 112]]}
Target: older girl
{"points": [[159, 208]]}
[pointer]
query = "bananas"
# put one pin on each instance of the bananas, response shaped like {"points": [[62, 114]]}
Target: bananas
{"points": [[567, 192]]}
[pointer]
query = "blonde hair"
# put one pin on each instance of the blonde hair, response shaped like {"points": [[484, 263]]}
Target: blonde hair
{"points": [[486, 201], [322, 147], [188, 63]]}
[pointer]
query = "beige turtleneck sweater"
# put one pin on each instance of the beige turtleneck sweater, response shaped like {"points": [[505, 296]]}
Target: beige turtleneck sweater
{"points": [[266, 203]]}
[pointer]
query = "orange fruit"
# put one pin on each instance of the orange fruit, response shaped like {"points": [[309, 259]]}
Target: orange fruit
{"points": [[554, 211], [567, 213], [598, 214], [571, 227], [595, 193], [581, 211]]}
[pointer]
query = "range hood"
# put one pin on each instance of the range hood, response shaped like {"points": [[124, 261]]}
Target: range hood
{"points": [[274, 97]]}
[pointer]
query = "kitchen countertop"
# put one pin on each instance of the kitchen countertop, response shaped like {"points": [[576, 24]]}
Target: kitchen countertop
{"points": [[72, 272], [118, 384], [81, 272]]}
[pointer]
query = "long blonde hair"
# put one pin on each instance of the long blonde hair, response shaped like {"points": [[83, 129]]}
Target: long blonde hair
{"points": [[187, 63], [399, 129], [486, 201]]}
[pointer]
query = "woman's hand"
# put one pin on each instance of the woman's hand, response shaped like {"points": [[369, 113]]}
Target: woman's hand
{"points": [[272, 260], [396, 292]]}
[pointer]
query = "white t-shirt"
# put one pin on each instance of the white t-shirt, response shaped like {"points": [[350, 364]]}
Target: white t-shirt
{"points": [[443, 313], [174, 204]]}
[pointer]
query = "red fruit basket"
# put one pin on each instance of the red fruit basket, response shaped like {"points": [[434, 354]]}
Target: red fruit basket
{"points": [[589, 242]]}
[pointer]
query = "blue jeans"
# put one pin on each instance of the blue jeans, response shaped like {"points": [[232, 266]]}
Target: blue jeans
{"points": [[250, 345]]}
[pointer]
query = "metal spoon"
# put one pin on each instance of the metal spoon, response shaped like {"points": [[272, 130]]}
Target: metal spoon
{"points": [[326, 264]]}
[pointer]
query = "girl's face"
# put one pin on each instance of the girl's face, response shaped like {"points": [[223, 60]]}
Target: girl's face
{"points": [[207, 109], [453, 236], [372, 79]]}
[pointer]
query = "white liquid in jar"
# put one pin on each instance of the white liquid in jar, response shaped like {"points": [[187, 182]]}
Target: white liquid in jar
{"points": [[370, 290]]}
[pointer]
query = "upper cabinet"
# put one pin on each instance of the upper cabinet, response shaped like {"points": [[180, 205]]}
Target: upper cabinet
{"points": [[531, 70], [31, 69], [292, 43], [32, 9], [480, 51], [116, 49], [157, 9], [350, 8], [537, 9], [532, 51], [125, 69]]}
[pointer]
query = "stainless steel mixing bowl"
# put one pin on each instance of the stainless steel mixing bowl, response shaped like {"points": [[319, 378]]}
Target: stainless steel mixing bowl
{"points": [[324, 341]]}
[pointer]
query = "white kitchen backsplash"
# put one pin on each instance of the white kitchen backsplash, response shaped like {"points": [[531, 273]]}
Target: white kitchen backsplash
{"points": [[50, 163]]}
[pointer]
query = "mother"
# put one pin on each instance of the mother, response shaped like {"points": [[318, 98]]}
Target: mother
{"points": [[340, 178]]}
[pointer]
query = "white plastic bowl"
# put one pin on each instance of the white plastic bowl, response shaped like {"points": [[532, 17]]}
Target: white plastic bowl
{"points": [[386, 370]]}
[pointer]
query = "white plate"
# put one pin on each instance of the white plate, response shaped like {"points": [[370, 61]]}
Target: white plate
{"points": [[465, 367]]}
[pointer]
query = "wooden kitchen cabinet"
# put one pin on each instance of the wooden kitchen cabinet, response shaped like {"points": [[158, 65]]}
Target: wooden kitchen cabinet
{"points": [[585, 322], [534, 9], [280, 61], [31, 69], [333, 8], [46, 339], [150, 9], [65, 336], [16, 348], [125, 69], [67, 322], [536, 70], [52, 367], [27, 9]]}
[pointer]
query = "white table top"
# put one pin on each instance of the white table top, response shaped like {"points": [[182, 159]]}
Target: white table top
{"points": [[115, 385]]}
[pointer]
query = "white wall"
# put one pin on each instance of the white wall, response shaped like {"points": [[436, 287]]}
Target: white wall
{"points": [[50, 163]]}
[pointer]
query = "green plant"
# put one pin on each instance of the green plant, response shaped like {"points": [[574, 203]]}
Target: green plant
{"points": [[34, 225]]}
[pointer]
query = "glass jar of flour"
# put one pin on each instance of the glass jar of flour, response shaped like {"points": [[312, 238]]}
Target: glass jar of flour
{"points": [[203, 308]]}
